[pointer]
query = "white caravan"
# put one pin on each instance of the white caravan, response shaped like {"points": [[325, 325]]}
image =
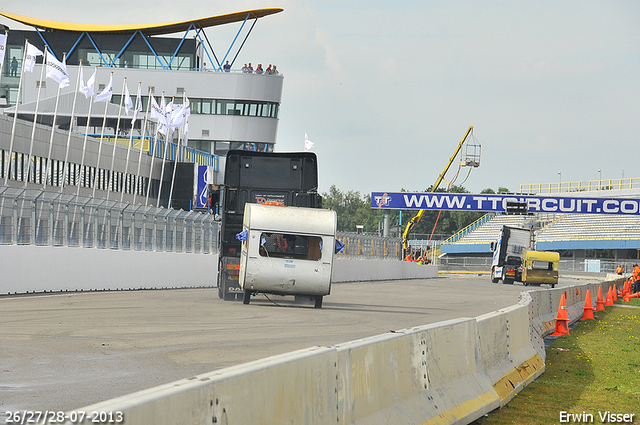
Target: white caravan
{"points": [[287, 251]]}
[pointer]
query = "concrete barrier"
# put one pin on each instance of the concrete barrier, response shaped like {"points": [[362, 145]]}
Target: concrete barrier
{"points": [[30, 268], [368, 270], [450, 372]]}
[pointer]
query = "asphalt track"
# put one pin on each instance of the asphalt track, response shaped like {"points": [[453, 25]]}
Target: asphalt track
{"points": [[70, 350]]}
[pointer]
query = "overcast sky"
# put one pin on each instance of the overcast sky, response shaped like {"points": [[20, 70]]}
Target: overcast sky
{"points": [[386, 90]]}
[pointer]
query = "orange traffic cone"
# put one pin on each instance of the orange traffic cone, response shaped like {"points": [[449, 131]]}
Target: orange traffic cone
{"points": [[629, 296], [588, 307], [609, 301], [599, 301], [562, 321], [615, 293]]}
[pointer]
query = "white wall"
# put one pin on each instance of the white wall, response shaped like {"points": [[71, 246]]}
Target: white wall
{"points": [[31, 268]]}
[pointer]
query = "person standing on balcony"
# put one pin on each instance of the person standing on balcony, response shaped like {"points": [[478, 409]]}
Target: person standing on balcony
{"points": [[14, 67]]}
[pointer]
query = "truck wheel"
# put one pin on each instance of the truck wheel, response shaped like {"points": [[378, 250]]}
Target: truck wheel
{"points": [[226, 295], [493, 278], [318, 303], [247, 297], [220, 288]]}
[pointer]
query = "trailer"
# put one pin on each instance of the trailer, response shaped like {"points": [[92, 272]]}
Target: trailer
{"points": [[540, 268], [287, 251]]}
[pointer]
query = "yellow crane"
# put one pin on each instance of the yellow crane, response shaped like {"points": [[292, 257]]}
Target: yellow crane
{"points": [[470, 160]]}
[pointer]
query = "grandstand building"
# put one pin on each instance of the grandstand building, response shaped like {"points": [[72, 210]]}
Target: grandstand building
{"points": [[230, 108], [597, 241]]}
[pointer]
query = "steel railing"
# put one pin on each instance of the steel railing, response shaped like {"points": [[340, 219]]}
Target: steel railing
{"points": [[38, 217]]}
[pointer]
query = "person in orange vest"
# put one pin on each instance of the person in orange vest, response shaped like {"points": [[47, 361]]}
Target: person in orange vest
{"points": [[636, 278], [620, 269], [409, 256]]}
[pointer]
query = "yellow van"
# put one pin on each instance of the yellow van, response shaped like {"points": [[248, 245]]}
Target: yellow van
{"points": [[539, 267]]}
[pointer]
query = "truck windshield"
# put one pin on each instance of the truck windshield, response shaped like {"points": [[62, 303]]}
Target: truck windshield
{"points": [[285, 245]]}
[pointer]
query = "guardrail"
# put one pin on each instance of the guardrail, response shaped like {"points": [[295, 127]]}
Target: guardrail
{"points": [[41, 218], [445, 373]]}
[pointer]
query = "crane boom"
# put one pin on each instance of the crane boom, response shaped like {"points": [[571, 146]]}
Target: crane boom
{"points": [[416, 219]]}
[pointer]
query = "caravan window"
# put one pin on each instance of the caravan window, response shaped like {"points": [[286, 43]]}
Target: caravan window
{"points": [[284, 245], [542, 265]]}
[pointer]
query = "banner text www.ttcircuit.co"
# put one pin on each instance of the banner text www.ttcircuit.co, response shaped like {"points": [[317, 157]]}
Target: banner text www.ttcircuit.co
{"points": [[498, 203]]}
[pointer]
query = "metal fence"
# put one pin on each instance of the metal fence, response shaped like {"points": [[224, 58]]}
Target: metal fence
{"points": [[369, 247], [38, 217], [588, 265]]}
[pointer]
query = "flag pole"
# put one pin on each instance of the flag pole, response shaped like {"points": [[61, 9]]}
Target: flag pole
{"points": [[35, 117], [53, 129], [164, 159], [104, 122], [84, 144], [144, 130], [66, 155], [112, 180], [126, 164], [155, 144], [178, 152], [15, 113]]}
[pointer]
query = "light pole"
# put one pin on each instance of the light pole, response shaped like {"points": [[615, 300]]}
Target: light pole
{"points": [[599, 178], [560, 185]]}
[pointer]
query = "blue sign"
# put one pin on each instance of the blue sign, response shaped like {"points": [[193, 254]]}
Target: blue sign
{"points": [[202, 189], [498, 203]]}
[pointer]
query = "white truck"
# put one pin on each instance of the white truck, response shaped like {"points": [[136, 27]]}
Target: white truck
{"points": [[287, 251]]}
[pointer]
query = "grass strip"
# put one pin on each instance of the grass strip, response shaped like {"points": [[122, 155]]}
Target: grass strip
{"points": [[591, 374]]}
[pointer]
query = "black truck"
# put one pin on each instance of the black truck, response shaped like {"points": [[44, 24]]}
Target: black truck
{"points": [[269, 178]]}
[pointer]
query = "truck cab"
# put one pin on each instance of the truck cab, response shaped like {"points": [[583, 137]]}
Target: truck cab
{"points": [[508, 251]]}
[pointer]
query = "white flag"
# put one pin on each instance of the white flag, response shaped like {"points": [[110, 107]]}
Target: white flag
{"points": [[176, 118], [57, 71], [128, 103], [138, 106], [87, 88], [187, 105], [30, 57], [105, 95], [3, 46], [156, 111], [308, 144]]}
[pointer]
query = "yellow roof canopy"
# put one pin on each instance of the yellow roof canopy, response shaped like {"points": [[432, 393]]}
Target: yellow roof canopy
{"points": [[146, 29]]}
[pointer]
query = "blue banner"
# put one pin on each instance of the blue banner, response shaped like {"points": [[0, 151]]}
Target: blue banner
{"points": [[498, 203], [202, 190]]}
